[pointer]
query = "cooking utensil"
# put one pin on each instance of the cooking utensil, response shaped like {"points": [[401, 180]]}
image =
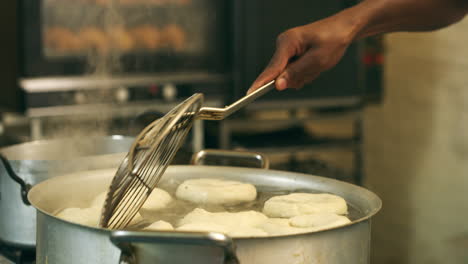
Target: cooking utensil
{"points": [[61, 241], [153, 150], [27, 164]]}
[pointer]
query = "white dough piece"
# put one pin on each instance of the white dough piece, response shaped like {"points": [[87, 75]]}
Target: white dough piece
{"points": [[240, 231], [294, 204], [241, 224], [159, 225], [88, 216], [247, 231], [319, 221], [246, 218], [157, 200], [216, 191], [204, 227], [99, 200], [281, 226]]}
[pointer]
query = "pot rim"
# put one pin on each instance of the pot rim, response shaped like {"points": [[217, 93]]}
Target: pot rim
{"points": [[368, 215]]}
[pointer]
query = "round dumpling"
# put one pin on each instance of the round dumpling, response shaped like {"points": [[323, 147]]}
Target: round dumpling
{"points": [[157, 200], [216, 191], [86, 216], [99, 200], [204, 227], [159, 225], [319, 221], [281, 226], [246, 218], [247, 231], [241, 224], [294, 204], [242, 231]]}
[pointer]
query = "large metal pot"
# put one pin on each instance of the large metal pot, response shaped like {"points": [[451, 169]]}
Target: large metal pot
{"points": [[27, 164], [59, 241]]}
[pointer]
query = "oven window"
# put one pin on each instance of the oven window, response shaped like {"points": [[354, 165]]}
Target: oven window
{"points": [[133, 35]]}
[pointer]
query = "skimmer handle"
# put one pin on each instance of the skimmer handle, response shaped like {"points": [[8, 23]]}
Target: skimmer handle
{"points": [[212, 113]]}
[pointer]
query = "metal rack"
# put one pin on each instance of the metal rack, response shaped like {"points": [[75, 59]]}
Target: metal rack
{"points": [[298, 143]]}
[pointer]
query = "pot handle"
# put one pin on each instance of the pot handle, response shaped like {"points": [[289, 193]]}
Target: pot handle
{"points": [[124, 240], [199, 157], [25, 187]]}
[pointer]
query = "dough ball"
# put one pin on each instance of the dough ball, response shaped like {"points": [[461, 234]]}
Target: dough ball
{"points": [[247, 231], [159, 225], [240, 231], [87, 216], [281, 226], [204, 227], [246, 218], [136, 220], [215, 191], [294, 204], [157, 200], [99, 200], [319, 221]]}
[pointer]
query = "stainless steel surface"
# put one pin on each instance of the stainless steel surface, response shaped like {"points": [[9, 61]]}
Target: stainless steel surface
{"points": [[212, 113], [200, 157], [64, 242], [51, 84], [211, 247], [37, 161], [150, 154]]}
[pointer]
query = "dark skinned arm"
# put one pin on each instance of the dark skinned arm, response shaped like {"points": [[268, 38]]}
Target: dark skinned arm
{"points": [[304, 52]]}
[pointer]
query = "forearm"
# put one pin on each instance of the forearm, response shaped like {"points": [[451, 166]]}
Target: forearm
{"points": [[372, 17]]}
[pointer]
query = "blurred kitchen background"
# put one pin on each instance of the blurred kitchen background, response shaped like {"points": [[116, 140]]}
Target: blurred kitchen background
{"points": [[392, 116]]}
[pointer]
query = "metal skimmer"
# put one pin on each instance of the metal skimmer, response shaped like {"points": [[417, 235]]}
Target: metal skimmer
{"points": [[151, 153]]}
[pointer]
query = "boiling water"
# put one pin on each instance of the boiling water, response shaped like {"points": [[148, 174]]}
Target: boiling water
{"points": [[179, 208]]}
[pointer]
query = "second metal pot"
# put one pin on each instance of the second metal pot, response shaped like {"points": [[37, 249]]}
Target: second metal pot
{"points": [[27, 164]]}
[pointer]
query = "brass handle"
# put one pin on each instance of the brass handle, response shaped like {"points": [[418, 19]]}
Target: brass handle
{"points": [[212, 113]]}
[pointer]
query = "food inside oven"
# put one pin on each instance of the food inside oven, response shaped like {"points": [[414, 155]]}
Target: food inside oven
{"points": [[103, 27]]}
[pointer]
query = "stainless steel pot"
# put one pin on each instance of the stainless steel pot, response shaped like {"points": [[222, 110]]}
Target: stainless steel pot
{"points": [[27, 164], [59, 241]]}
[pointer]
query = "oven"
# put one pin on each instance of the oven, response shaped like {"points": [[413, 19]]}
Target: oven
{"points": [[65, 52]]}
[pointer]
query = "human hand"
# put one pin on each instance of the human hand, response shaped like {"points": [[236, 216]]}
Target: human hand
{"points": [[303, 53]]}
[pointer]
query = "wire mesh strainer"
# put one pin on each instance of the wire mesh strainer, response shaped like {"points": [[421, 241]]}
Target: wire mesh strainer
{"points": [[151, 153]]}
